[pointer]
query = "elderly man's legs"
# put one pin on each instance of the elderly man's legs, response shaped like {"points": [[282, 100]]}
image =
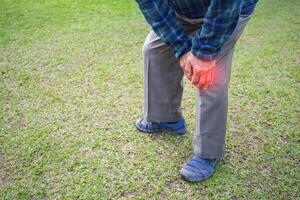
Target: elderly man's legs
{"points": [[163, 92]]}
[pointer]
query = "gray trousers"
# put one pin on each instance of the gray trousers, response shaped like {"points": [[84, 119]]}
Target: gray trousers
{"points": [[163, 87]]}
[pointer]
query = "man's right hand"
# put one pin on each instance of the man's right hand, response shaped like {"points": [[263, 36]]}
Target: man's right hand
{"points": [[186, 66], [201, 73]]}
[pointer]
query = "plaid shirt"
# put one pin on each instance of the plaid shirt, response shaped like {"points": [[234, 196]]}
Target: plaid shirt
{"points": [[220, 18]]}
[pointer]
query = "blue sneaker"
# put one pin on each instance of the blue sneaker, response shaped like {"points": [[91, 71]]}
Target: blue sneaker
{"points": [[174, 128], [198, 169]]}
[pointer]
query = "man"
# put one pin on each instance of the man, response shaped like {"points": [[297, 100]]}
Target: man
{"points": [[195, 38]]}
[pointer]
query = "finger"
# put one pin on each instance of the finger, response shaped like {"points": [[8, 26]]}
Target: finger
{"points": [[195, 79], [189, 70], [213, 76], [196, 75], [181, 63], [190, 76], [208, 79], [202, 80]]}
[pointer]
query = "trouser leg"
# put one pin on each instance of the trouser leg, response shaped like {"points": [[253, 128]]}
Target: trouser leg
{"points": [[163, 85], [211, 107]]}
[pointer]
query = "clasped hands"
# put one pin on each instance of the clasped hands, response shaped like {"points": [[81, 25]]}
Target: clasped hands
{"points": [[201, 73]]}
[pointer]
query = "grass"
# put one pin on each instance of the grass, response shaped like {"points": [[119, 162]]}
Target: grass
{"points": [[71, 88]]}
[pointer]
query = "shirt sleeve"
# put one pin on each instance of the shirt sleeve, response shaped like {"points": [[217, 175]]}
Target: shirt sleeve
{"points": [[219, 23], [161, 16]]}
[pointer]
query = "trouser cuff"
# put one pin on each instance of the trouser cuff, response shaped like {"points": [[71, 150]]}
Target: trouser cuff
{"points": [[210, 154], [162, 118]]}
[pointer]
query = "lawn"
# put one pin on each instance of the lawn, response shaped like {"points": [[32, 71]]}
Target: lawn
{"points": [[71, 87]]}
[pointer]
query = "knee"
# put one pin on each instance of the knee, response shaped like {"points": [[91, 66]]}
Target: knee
{"points": [[216, 94]]}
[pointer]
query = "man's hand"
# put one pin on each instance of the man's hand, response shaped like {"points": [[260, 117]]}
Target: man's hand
{"points": [[186, 66], [203, 71], [199, 72]]}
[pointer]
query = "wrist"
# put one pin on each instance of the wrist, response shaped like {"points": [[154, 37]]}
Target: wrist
{"points": [[185, 47], [204, 56]]}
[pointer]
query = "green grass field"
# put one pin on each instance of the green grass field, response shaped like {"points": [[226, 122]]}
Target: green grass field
{"points": [[71, 87]]}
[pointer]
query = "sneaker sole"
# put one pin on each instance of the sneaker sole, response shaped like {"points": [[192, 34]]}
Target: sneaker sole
{"points": [[179, 132], [194, 180]]}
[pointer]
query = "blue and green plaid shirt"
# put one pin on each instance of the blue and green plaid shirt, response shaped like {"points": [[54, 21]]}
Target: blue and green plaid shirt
{"points": [[220, 18]]}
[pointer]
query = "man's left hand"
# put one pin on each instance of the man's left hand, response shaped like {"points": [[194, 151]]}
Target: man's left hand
{"points": [[186, 66]]}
